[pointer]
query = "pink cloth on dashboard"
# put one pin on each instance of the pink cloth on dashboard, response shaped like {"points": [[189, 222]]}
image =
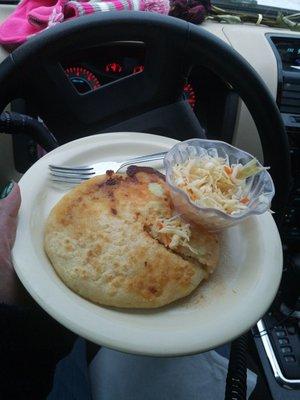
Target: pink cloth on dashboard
{"points": [[33, 16], [23, 22]]}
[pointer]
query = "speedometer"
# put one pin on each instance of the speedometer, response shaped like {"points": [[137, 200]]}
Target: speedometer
{"points": [[83, 79], [189, 94]]}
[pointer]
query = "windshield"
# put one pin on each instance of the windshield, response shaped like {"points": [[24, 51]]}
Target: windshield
{"points": [[259, 6]]}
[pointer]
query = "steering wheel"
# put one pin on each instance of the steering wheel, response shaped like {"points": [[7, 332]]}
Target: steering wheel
{"points": [[151, 98]]}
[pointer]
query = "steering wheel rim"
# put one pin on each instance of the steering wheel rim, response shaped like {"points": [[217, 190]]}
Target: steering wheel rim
{"points": [[155, 93]]}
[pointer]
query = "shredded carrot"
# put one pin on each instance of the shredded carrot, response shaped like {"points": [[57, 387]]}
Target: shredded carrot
{"points": [[165, 239], [228, 169], [245, 200], [192, 194]]}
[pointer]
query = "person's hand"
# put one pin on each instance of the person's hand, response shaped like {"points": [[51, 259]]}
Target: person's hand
{"points": [[11, 290]]}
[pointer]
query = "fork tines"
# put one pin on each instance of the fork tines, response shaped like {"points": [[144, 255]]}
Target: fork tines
{"points": [[70, 174]]}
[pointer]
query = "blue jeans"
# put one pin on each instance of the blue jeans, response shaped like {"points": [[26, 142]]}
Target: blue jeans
{"points": [[120, 376]]}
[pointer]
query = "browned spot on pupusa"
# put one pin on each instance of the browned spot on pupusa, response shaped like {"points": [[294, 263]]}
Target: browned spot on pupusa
{"points": [[134, 169], [111, 180], [152, 289]]}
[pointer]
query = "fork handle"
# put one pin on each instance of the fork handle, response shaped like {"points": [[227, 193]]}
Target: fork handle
{"points": [[141, 159]]}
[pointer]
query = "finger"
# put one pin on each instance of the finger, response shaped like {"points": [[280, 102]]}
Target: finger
{"points": [[9, 207], [11, 203]]}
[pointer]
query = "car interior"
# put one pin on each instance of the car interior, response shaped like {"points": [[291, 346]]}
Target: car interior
{"points": [[142, 72]]}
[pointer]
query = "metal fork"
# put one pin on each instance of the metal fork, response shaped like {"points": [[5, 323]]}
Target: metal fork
{"points": [[77, 174]]}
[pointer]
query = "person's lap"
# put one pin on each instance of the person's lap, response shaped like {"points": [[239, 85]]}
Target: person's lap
{"points": [[115, 375]]}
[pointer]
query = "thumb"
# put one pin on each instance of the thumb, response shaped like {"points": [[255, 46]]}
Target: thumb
{"points": [[10, 199]]}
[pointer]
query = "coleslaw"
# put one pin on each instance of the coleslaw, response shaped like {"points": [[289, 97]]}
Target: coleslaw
{"points": [[212, 182], [174, 232]]}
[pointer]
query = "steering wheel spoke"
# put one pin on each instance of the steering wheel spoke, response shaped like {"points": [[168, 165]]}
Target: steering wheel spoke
{"points": [[176, 120]]}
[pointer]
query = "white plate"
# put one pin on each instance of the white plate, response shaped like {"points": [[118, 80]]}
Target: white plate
{"points": [[236, 296]]}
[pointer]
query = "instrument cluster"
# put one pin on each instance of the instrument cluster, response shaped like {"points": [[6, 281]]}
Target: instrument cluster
{"points": [[92, 69]]}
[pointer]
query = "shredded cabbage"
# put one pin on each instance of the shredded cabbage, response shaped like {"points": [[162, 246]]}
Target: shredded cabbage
{"points": [[174, 232], [211, 182]]}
